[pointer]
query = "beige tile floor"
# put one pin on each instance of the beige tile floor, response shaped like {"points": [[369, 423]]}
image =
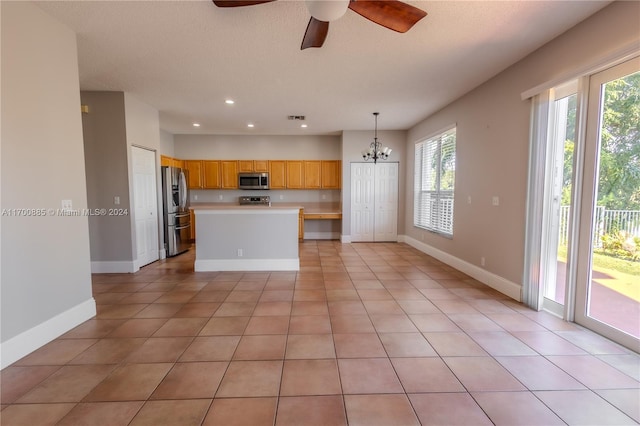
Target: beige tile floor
{"points": [[364, 334]]}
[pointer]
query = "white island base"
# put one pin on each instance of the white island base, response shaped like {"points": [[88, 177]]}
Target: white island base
{"points": [[247, 238]]}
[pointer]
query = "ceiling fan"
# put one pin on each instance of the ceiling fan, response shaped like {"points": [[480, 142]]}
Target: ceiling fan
{"points": [[392, 14]]}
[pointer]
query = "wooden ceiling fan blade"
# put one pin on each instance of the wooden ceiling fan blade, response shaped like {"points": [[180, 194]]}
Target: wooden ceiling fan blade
{"points": [[238, 3], [392, 14], [315, 34]]}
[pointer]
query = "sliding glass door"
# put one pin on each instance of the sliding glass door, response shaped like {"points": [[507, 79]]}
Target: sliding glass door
{"points": [[559, 169], [608, 261], [583, 224]]}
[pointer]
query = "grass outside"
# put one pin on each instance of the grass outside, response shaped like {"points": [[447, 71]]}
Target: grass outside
{"points": [[623, 275]]}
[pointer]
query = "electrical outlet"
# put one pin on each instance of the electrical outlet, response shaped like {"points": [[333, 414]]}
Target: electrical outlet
{"points": [[116, 200], [195, 197], [495, 200], [469, 199], [67, 205], [324, 197], [482, 261], [240, 253], [281, 197], [220, 197]]}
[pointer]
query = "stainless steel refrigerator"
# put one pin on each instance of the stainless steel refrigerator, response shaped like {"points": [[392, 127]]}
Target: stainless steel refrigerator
{"points": [[175, 200]]}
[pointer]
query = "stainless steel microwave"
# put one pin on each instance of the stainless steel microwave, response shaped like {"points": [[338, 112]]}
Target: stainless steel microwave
{"points": [[253, 180]]}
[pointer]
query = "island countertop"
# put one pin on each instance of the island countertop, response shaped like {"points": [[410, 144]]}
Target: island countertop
{"points": [[310, 209]]}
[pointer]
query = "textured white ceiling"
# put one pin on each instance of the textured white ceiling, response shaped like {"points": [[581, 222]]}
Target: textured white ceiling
{"points": [[186, 57]]}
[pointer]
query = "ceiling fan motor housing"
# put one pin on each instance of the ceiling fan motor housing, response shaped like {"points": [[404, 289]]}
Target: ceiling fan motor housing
{"points": [[327, 10]]}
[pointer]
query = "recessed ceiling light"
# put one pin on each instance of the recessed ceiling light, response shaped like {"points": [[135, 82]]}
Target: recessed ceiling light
{"points": [[250, 125], [196, 124], [304, 126], [229, 102]]}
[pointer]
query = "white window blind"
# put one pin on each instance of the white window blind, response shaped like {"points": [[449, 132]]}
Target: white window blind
{"points": [[435, 168]]}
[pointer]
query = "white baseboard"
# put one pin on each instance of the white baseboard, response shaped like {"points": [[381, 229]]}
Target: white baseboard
{"points": [[345, 239], [115, 267], [209, 265], [32, 339], [494, 281]]}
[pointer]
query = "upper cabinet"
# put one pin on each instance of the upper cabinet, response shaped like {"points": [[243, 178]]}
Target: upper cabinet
{"points": [[277, 174], [312, 174], [229, 172], [245, 166], [249, 166], [261, 166], [211, 174], [283, 174], [194, 167], [295, 174], [331, 174], [165, 161], [172, 162]]}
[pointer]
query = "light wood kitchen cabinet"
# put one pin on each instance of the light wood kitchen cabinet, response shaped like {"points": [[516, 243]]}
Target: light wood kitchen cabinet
{"points": [[251, 166], [331, 174], [166, 161], [245, 166], [229, 174], [192, 215], [277, 174], [194, 179], [261, 166], [295, 174], [301, 225], [211, 174], [171, 162], [312, 172]]}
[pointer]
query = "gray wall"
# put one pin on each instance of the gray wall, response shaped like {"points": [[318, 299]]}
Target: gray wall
{"points": [[115, 122], [143, 131], [45, 260], [258, 147], [166, 143], [493, 142], [105, 151]]}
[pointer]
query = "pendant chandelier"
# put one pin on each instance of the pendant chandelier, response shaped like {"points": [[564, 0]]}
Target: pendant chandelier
{"points": [[376, 151]]}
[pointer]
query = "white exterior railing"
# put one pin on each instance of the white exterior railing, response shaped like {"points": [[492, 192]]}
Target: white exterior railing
{"points": [[606, 221]]}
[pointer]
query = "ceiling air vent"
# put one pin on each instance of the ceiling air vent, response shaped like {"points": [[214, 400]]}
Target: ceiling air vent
{"points": [[296, 117]]}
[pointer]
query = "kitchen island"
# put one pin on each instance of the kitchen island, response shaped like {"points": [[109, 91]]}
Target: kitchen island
{"points": [[246, 238]]}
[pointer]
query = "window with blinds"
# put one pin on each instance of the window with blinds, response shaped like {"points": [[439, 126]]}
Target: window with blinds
{"points": [[434, 181]]}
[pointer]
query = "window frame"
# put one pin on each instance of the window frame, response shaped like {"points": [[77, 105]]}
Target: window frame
{"points": [[444, 225]]}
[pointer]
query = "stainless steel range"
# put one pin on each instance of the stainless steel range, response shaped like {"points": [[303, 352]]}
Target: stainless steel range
{"points": [[262, 200]]}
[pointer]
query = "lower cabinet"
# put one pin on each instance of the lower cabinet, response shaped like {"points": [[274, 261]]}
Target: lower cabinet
{"points": [[192, 215], [301, 225]]}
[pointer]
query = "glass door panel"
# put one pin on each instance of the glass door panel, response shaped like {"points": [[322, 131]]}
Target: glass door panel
{"points": [[608, 287], [561, 140]]}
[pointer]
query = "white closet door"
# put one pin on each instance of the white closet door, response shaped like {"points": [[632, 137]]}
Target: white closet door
{"points": [[374, 202], [362, 207], [145, 205], [386, 202]]}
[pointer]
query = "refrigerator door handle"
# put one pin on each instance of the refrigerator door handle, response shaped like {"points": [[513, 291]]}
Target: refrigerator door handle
{"points": [[182, 181]]}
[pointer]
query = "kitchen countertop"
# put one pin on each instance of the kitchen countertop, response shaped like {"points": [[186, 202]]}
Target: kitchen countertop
{"points": [[312, 209]]}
